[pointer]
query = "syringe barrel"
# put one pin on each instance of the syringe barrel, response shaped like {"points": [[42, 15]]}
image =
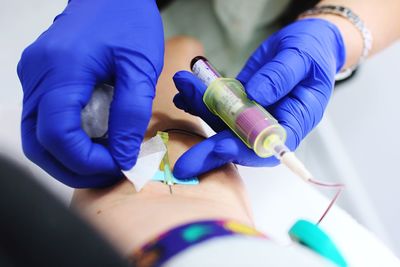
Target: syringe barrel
{"points": [[226, 98]]}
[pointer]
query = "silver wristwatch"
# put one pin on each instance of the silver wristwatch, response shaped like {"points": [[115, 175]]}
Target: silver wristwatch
{"points": [[348, 14]]}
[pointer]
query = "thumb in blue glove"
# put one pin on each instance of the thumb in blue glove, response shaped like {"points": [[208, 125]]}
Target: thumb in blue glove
{"points": [[217, 150], [291, 74], [91, 42]]}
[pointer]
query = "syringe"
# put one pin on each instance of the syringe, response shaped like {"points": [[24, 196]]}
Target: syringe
{"points": [[259, 130]]}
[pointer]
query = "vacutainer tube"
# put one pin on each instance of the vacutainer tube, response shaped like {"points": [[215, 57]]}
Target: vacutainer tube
{"points": [[258, 129]]}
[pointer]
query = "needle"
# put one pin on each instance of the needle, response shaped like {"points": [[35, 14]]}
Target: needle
{"points": [[168, 178], [170, 189]]}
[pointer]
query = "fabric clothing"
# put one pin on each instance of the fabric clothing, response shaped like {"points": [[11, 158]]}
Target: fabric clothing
{"points": [[221, 243], [230, 30], [246, 251], [176, 240], [36, 229]]}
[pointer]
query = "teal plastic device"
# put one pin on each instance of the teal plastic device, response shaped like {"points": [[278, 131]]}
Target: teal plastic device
{"points": [[313, 237]]}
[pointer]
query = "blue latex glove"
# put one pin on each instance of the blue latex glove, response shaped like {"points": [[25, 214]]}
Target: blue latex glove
{"points": [[91, 42], [291, 74]]}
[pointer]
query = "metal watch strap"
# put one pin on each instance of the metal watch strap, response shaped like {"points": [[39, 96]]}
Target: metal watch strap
{"points": [[348, 14]]}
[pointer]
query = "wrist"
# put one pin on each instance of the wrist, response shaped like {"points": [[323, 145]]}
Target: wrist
{"points": [[349, 40], [352, 39]]}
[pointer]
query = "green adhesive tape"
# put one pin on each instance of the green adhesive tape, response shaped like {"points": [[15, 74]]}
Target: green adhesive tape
{"points": [[311, 236]]}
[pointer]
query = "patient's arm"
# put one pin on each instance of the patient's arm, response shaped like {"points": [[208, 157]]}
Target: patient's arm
{"points": [[129, 219]]}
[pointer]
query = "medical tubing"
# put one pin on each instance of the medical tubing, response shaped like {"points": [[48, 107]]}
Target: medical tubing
{"points": [[339, 188]]}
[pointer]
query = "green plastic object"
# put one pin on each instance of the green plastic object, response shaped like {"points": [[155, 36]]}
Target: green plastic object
{"points": [[258, 129], [311, 236]]}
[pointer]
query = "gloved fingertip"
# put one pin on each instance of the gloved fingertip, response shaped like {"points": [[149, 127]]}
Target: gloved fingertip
{"points": [[128, 161], [196, 161], [127, 165], [180, 174], [226, 150], [293, 139], [178, 101], [257, 91], [182, 170], [241, 80], [243, 76], [185, 81], [182, 75], [19, 70]]}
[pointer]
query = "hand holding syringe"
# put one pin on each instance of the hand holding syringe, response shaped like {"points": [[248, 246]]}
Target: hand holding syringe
{"points": [[258, 129]]}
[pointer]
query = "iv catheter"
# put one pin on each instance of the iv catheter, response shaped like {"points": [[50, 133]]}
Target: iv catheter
{"points": [[258, 129], [165, 165]]}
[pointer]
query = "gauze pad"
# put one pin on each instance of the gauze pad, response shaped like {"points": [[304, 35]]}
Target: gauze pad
{"points": [[151, 153]]}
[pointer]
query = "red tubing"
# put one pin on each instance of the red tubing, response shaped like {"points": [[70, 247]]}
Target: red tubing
{"points": [[339, 187]]}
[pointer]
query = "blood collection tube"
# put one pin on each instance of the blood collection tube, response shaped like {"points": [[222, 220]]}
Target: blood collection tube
{"points": [[258, 129]]}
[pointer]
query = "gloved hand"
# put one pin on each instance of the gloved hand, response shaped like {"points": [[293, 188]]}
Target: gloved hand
{"points": [[91, 42], [291, 74]]}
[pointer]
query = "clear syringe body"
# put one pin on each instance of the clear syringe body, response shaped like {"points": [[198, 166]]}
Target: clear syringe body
{"points": [[256, 127], [226, 98], [251, 123]]}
